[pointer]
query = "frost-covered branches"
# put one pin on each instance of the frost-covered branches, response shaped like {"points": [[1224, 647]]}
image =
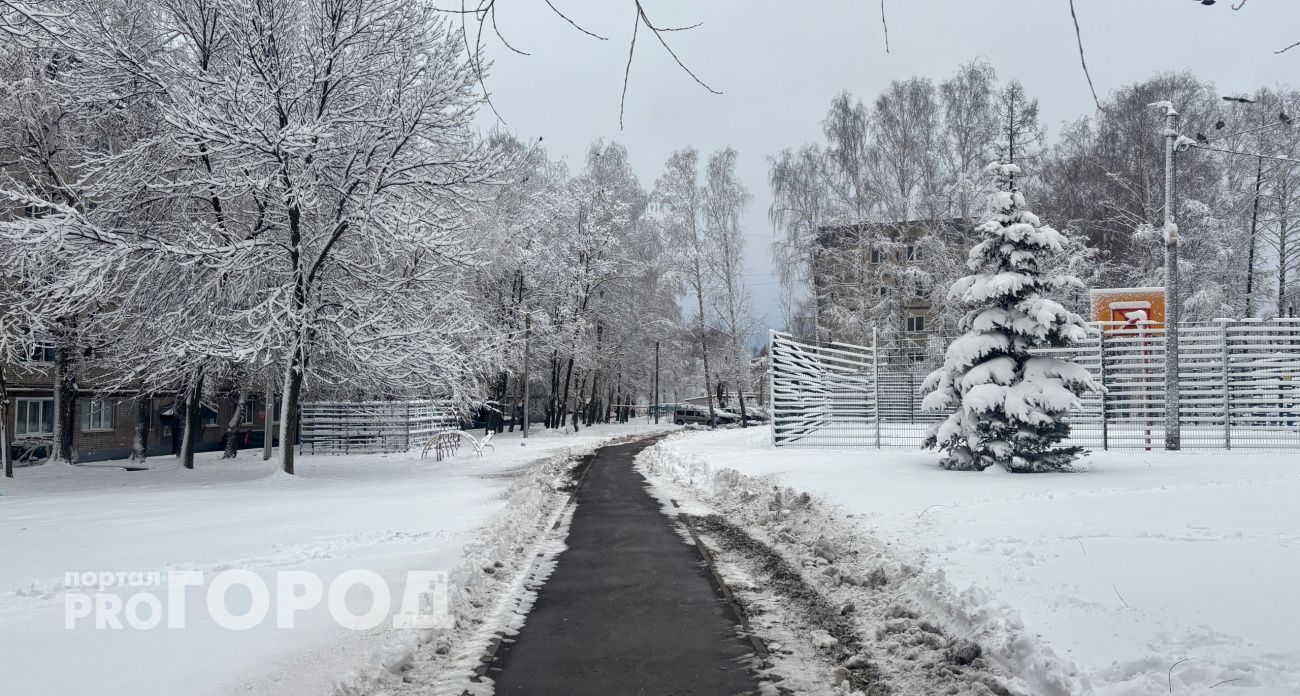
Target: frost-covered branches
{"points": [[277, 187], [724, 200]]}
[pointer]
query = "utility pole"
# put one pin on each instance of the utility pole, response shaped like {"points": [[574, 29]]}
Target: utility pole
{"points": [[1173, 303], [528, 331], [656, 383]]}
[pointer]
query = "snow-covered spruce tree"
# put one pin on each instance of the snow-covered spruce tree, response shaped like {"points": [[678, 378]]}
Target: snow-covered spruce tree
{"points": [[1009, 404]]}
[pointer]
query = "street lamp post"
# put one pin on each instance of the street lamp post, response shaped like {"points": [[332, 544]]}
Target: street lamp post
{"points": [[1173, 301]]}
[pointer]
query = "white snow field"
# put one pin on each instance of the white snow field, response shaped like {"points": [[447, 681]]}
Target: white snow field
{"points": [[385, 513], [1142, 573]]}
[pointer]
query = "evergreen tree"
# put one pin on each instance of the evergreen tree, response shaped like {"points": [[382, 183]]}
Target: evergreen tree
{"points": [[1009, 404]]}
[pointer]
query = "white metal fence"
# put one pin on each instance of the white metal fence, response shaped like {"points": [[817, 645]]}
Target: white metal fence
{"points": [[359, 427], [1239, 385]]}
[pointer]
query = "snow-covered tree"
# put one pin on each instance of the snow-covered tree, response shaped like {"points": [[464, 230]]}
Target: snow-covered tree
{"points": [[797, 211], [300, 197], [677, 196], [1017, 122], [725, 198], [1008, 404], [970, 122]]}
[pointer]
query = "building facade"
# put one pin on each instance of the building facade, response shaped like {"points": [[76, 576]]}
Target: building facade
{"points": [[877, 279], [104, 423]]}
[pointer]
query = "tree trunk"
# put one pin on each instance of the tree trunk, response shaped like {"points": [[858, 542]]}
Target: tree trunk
{"points": [[496, 417], [289, 410], [6, 453], [656, 387], [1283, 252], [65, 407], [140, 437], [1250, 254], [528, 333], [193, 408], [230, 438], [268, 419], [704, 340], [580, 406], [563, 406], [739, 379], [551, 405], [592, 403]]}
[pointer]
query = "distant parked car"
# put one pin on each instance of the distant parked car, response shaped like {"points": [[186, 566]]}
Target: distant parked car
{"points": [[686, 414]]}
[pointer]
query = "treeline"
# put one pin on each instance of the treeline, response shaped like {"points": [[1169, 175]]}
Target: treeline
{"points": [[212, 200], [587, 276], [914, 154]]}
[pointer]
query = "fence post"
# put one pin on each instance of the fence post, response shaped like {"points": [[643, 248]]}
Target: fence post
{"points": [[1227, 389], [911, 397], [771, 378], [875, 381], [1105, 416]]}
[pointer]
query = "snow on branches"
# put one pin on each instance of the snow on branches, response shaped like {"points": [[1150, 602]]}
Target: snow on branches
{"points": [[1009, 402], [270, 188]]}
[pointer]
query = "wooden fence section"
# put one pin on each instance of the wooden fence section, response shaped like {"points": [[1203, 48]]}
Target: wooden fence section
{"points": [[1239, 387], [361, 427]]}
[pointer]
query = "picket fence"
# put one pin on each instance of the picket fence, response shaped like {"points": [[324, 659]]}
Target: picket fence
{"points": [[1239, 387]]}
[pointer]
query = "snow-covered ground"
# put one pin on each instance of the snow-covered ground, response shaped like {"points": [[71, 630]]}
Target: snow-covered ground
{"points": [[389, 514], [1144, 573]]}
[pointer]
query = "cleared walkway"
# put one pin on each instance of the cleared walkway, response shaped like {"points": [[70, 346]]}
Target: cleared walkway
{"points": [[630, 608]]}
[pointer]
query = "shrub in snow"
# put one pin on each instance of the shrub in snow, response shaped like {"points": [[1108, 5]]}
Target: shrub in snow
{"points": [[1008, 405]]}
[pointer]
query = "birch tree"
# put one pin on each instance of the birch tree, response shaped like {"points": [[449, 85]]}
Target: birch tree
{"points": [[723, 205], [797, 212], [677, 196]]}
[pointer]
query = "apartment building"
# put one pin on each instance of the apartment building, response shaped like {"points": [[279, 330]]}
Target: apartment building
{"points": [[873, 258], [104, 420]]}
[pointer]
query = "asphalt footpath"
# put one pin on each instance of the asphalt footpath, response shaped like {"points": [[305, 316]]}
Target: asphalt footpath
{"points": [[629, 609]]}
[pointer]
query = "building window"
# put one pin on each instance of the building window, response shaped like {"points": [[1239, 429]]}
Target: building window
{"points": [[42, 353], [34, 417], [913, 253], [915, 357], [915, 324], [208, 417], [875, 256], [97, 415], [248, 412]]}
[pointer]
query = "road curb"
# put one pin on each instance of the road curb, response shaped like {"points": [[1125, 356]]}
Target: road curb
{"points": [[760, 648]]}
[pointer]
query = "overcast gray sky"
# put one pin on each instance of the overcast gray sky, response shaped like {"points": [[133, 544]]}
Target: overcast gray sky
{"points": [[779, 64]]}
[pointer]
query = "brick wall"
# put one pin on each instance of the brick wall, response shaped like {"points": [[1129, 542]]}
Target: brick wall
{"points": [[115, 442]]}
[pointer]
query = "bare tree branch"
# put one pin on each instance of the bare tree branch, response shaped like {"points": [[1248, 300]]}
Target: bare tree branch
{"points": [[1078, 35], [627, 70], [573, 23], [884, 24], [642, 18]]}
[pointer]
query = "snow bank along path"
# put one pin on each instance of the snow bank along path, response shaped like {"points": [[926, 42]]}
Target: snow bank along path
{"points": [[385, 513], [1095, 582]]}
